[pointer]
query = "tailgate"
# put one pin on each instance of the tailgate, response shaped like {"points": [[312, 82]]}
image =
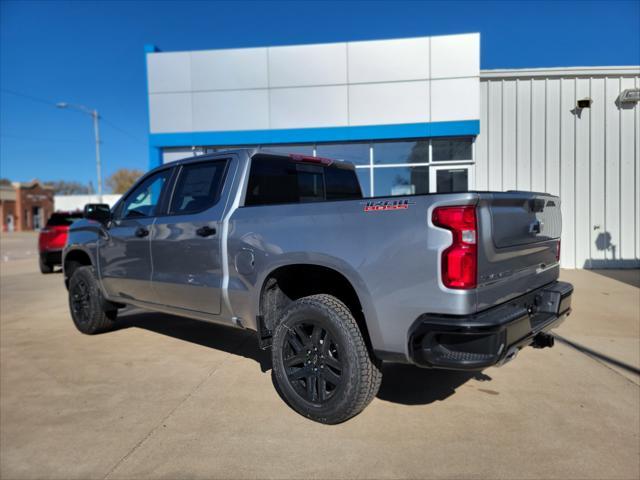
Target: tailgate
{"points": [[518, 244]]}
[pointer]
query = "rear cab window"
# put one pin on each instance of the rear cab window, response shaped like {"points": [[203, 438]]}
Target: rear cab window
{"points": [[276, 180]]}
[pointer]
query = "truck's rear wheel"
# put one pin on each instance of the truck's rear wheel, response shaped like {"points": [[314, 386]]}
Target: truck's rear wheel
{"points": [[89, 310], [321, 362]]}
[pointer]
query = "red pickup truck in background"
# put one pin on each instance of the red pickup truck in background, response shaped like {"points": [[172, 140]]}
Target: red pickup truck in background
{"points": [[53, 238]]}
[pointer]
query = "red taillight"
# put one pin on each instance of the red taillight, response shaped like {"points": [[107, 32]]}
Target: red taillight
{"points": [[460, 260]]}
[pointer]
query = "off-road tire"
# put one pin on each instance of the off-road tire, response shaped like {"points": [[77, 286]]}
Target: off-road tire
{"points": [[360, 377], [90, 312], [44, 266]]}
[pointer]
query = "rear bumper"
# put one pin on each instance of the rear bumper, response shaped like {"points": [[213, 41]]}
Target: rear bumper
{"points": [[491, 337], [51, 257]]}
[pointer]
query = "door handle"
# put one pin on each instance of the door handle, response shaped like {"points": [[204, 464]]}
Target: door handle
{"points": [[142, 232], [206, 231]]}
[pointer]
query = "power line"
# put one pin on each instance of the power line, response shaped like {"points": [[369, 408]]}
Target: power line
{"points": [[54, 104], [30, 97], [115, 127], [35, 139]]}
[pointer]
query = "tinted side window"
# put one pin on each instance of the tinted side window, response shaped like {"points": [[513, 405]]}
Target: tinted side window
{"points": [[143, 200], [272, 180], [198, 187]]}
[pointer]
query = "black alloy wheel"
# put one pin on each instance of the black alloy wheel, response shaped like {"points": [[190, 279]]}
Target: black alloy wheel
{"points": [[321, 364], [81, 301], [90, 312], [312, 361]]}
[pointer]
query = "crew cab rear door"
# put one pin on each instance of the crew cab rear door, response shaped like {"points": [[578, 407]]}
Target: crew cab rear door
{"points": [[186, 239]]}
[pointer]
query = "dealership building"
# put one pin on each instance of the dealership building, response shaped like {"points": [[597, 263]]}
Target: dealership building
{"points": [[417, 115]]}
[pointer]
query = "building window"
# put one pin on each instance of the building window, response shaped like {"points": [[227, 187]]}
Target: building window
{"points": [[452, 180], [452, 149], [401, 152], [401, 181], [364, 177], [398, 167]]}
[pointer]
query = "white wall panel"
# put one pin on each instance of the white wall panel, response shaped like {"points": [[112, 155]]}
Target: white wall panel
{"points": [[389, 103], [494, 128], [482, 142], [509, 135], [612, 165], [552, 137], [637, 168], [389, 81], [628, 187], [600, 237], [455, 56], [169, 72], [170, 112], [229, 69], [395, 60], [456, 99], [303, 65], [590, 157], [567, 171], [583, 172], [309, 107], [236, 110], [538, 118], [523, 132]]}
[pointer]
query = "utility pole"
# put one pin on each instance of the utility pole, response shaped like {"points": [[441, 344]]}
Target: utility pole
{"points": [[96, 132]]}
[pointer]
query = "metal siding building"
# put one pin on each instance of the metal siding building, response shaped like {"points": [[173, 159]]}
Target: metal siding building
{"points": [[417, 115], [532, 137]]}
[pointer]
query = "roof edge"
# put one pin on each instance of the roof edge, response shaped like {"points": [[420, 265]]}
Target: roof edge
{"points": [[625, 70]]}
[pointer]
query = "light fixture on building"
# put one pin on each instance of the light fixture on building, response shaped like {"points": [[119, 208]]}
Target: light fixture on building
{"points": [[584, 103], [630, 95]]}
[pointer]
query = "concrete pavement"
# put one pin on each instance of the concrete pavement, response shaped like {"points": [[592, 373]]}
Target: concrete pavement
{"points": [[166, 397]]}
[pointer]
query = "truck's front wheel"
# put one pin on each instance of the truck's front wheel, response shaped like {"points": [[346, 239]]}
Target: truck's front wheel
{"points": [[321, 362], [91, 313]]}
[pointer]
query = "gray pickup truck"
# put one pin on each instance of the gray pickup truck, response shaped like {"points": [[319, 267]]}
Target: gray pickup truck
{"points": [[334, 283]]}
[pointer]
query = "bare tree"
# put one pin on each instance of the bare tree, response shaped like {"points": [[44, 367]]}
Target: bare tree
{"points": [[123, 179], [63, 187]]}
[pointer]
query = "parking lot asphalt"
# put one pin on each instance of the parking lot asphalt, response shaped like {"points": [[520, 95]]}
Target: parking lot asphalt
{"points": [[167, 397]]}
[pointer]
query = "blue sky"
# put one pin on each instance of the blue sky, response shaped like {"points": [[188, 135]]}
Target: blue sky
{"points": [[92, 53]]}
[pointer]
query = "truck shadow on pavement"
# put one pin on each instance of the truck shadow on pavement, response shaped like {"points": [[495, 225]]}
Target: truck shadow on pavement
{"points": [[403, 384], [411, 385]]}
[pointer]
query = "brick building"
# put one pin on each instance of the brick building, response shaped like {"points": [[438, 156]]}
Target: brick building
{"points": [[25, 206]]}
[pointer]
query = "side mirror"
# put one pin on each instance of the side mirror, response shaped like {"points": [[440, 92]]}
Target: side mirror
{"points": [[100, 212]]}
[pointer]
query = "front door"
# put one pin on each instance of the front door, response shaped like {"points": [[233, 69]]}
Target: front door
{"points": [[124, 254], [185, 241]]}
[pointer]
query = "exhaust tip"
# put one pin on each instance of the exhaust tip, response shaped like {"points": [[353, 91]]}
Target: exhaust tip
{"points": [[543, 340]]}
